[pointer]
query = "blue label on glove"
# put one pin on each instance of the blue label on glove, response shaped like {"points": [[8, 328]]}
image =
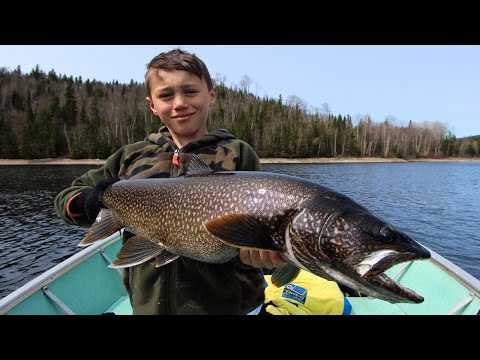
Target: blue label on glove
{"points": [[295, 292]]}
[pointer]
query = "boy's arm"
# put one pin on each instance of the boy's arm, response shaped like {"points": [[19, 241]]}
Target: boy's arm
{"points": [[65, 203], [249, 160]]}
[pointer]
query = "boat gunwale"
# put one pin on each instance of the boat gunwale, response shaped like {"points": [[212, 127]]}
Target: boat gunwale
{"points": [[45, 278], [466, 279]]}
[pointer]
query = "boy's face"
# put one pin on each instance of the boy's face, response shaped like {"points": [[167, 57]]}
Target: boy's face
{"points": [[181, 100]]}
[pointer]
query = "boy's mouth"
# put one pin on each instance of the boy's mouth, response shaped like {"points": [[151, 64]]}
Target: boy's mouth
{"points": [[183, 116]]}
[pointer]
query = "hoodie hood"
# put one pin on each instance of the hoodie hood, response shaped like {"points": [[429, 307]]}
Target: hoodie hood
{"points": [[164, 139]]}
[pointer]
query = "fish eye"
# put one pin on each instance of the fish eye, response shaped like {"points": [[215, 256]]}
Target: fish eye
{"points": [[386, 234]]}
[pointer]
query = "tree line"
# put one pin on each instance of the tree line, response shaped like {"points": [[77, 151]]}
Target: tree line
{"points": [[44, 115]]}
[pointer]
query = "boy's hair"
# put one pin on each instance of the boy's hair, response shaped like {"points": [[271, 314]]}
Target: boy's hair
{"points": [[178, 59]]}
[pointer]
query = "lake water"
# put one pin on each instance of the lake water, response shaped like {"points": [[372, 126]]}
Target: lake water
{"points": [[438, 204]]}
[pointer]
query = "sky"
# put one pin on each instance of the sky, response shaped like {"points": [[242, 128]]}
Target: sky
{"points": [[396, 82]]}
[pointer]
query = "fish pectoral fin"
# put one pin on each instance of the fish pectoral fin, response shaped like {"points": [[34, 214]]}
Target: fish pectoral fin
{"points": [[241, 230], [135, 251], [284, 275], [105, 225]]}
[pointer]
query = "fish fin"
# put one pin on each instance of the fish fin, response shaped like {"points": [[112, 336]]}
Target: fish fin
{"points": [[196, 167], [105, 225], [135, 251], [164, 258], [284, 275], [241, 230]]}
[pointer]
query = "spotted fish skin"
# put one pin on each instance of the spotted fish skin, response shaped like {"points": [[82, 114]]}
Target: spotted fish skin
{"points": [[209, 216], [173, 211]]}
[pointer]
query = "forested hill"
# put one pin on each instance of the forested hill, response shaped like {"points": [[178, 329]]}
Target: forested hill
{"points": [[44, 115]]}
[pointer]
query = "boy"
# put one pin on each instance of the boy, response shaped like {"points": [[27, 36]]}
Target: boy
{"points": [[179, 92]]}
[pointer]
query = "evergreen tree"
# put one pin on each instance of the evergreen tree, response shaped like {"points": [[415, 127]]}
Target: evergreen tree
{"points": [[70, 107], [8, 146]]}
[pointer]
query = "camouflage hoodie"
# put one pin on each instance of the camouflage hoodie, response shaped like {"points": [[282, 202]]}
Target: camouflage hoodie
{"points": [[184, 286]]}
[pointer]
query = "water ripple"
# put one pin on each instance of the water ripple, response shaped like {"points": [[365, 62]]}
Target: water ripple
{"points": [[34, 239]]}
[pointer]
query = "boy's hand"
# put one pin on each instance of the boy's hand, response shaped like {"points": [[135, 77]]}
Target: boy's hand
{"points": [[93, 197], [89, 201], [262, 258]]}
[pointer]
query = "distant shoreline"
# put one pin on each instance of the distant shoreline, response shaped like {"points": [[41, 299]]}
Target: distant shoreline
{"points": [[318, 160]]}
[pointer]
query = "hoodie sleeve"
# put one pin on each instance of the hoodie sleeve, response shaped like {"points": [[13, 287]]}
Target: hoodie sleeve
{"points": [[110, 169], [249, 160]]}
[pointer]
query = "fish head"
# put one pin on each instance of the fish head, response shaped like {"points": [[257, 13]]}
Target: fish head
{"points": [[350, 245]]}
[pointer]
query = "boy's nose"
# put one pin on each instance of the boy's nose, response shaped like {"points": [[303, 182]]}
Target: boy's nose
{"points": [[180, 101]]}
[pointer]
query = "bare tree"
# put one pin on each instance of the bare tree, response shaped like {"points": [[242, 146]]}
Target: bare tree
{"points": [[439, 131], [326, 109], [220, 79], [245, 83], [295, 101]]}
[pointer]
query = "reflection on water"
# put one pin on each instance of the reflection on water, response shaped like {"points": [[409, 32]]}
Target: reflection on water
{"points": [[438, 204]]}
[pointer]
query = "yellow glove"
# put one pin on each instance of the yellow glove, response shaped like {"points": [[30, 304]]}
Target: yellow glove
{"points": [[282, 306], [308, 294]]}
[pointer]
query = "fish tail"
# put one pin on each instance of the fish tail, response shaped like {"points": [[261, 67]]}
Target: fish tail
{"points": [[105, 225]]}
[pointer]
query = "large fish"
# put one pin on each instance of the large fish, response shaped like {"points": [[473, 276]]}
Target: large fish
{"points": [[208, 215]]}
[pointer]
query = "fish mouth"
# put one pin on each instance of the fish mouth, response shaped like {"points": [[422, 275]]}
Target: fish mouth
{"points": [[372, 270]]}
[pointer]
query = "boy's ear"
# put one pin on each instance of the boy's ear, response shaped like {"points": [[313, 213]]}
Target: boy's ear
{"points": [[213, 96], [152, 106]]}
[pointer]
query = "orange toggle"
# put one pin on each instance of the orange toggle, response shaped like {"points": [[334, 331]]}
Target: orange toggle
{"points": [[175, 160]]}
